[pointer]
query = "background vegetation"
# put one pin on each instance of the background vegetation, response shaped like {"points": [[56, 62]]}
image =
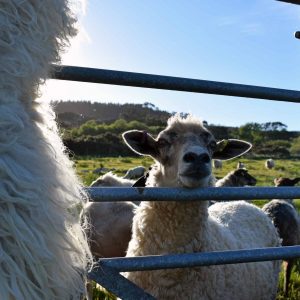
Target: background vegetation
{"points": [[97, 129]]}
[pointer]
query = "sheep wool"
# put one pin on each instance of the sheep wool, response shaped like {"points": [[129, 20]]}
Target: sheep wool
{"points": [[43, 248]]}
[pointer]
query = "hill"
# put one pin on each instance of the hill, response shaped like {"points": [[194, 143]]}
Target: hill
{"points": [[75, 113], [95, 129]]}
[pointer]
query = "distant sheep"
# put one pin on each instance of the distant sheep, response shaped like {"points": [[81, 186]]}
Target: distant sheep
{"points": [[240, 165], [238, 177], [110, 179], [269, 163], [135, 173], [217, 164], [287, 222], [183, 153], [283, 181]]}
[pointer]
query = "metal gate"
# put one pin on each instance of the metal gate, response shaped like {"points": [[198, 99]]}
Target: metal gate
{"points": [[107, 271]]}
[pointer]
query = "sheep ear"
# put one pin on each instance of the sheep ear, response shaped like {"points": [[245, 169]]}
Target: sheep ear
{"points": [[140, 142], [231, 148]]}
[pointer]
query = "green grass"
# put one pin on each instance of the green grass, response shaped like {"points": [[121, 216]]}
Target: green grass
{"points": [[285, 168], [119, 166]]}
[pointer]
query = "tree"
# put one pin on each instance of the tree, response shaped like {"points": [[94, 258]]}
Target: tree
{"points": [[251, 132], [274, 126]]}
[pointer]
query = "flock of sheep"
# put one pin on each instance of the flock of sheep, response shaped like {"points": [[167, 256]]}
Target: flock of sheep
{"points": [[158, 227], [44, 249]]}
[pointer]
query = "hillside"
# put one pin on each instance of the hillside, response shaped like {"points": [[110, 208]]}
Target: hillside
{"points": [[95, 129], [75, 113]]}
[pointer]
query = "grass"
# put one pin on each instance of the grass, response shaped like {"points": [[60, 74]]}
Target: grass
{"points": [[284, 168]]}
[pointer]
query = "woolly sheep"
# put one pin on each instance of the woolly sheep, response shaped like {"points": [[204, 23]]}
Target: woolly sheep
{"points": [[110, 227], [217, 164], [110, 223], [44, 252], [183, 154], [238, 177], [135, 173], [110, 179], [287, 222], [269, 163]]}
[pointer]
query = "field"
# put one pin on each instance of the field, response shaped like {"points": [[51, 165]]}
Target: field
{"points": [[285, 168]]}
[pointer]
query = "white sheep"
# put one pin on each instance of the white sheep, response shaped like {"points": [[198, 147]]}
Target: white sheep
{"points": [[110, 227], [183, 154], [110, 179], [135, 172], [44, 252], [217, 164], [269, 164], [240, 165], [110, 223]]}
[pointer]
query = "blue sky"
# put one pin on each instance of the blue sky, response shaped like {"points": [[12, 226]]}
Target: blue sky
{"points": [[249, 42]]}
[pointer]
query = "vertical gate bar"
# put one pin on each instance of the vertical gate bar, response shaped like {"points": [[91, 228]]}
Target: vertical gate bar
{"points": [[110, 279]]}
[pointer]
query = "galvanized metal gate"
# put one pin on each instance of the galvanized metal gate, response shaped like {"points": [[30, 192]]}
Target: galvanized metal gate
{"points": [[107, 271]]}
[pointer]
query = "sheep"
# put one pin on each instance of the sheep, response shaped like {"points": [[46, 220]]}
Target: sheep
{"points": [[269, 164], [183, 154], [110, 179], [44, 251], [240, 165], [283, 181], [217, 164], [135, 173], [110, 223], [287, 222], [238, 177], [110, 227]]}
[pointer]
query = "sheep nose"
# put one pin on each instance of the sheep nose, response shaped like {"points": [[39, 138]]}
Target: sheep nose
{"points": [[192, 157]]}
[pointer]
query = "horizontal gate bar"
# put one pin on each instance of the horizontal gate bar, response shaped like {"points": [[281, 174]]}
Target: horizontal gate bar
{"points": [[172, 83], [291, 1], [108, 194], [157, 262]]}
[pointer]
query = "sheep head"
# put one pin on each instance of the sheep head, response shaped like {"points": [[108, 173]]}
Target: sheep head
{"points": [[184, 150]]}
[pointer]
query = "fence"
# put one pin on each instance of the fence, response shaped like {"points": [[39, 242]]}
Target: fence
{"points": [[107, 271]]}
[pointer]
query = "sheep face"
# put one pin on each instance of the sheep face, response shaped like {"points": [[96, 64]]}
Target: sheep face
{"points": [[186, 155], [184, 151], [245, 178]]}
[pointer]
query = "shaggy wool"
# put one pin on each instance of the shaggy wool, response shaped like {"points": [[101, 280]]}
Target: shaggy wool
{"points": [[43, 249]]}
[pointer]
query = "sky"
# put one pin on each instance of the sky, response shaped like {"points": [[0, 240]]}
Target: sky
{"points": [[247, 42]]}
